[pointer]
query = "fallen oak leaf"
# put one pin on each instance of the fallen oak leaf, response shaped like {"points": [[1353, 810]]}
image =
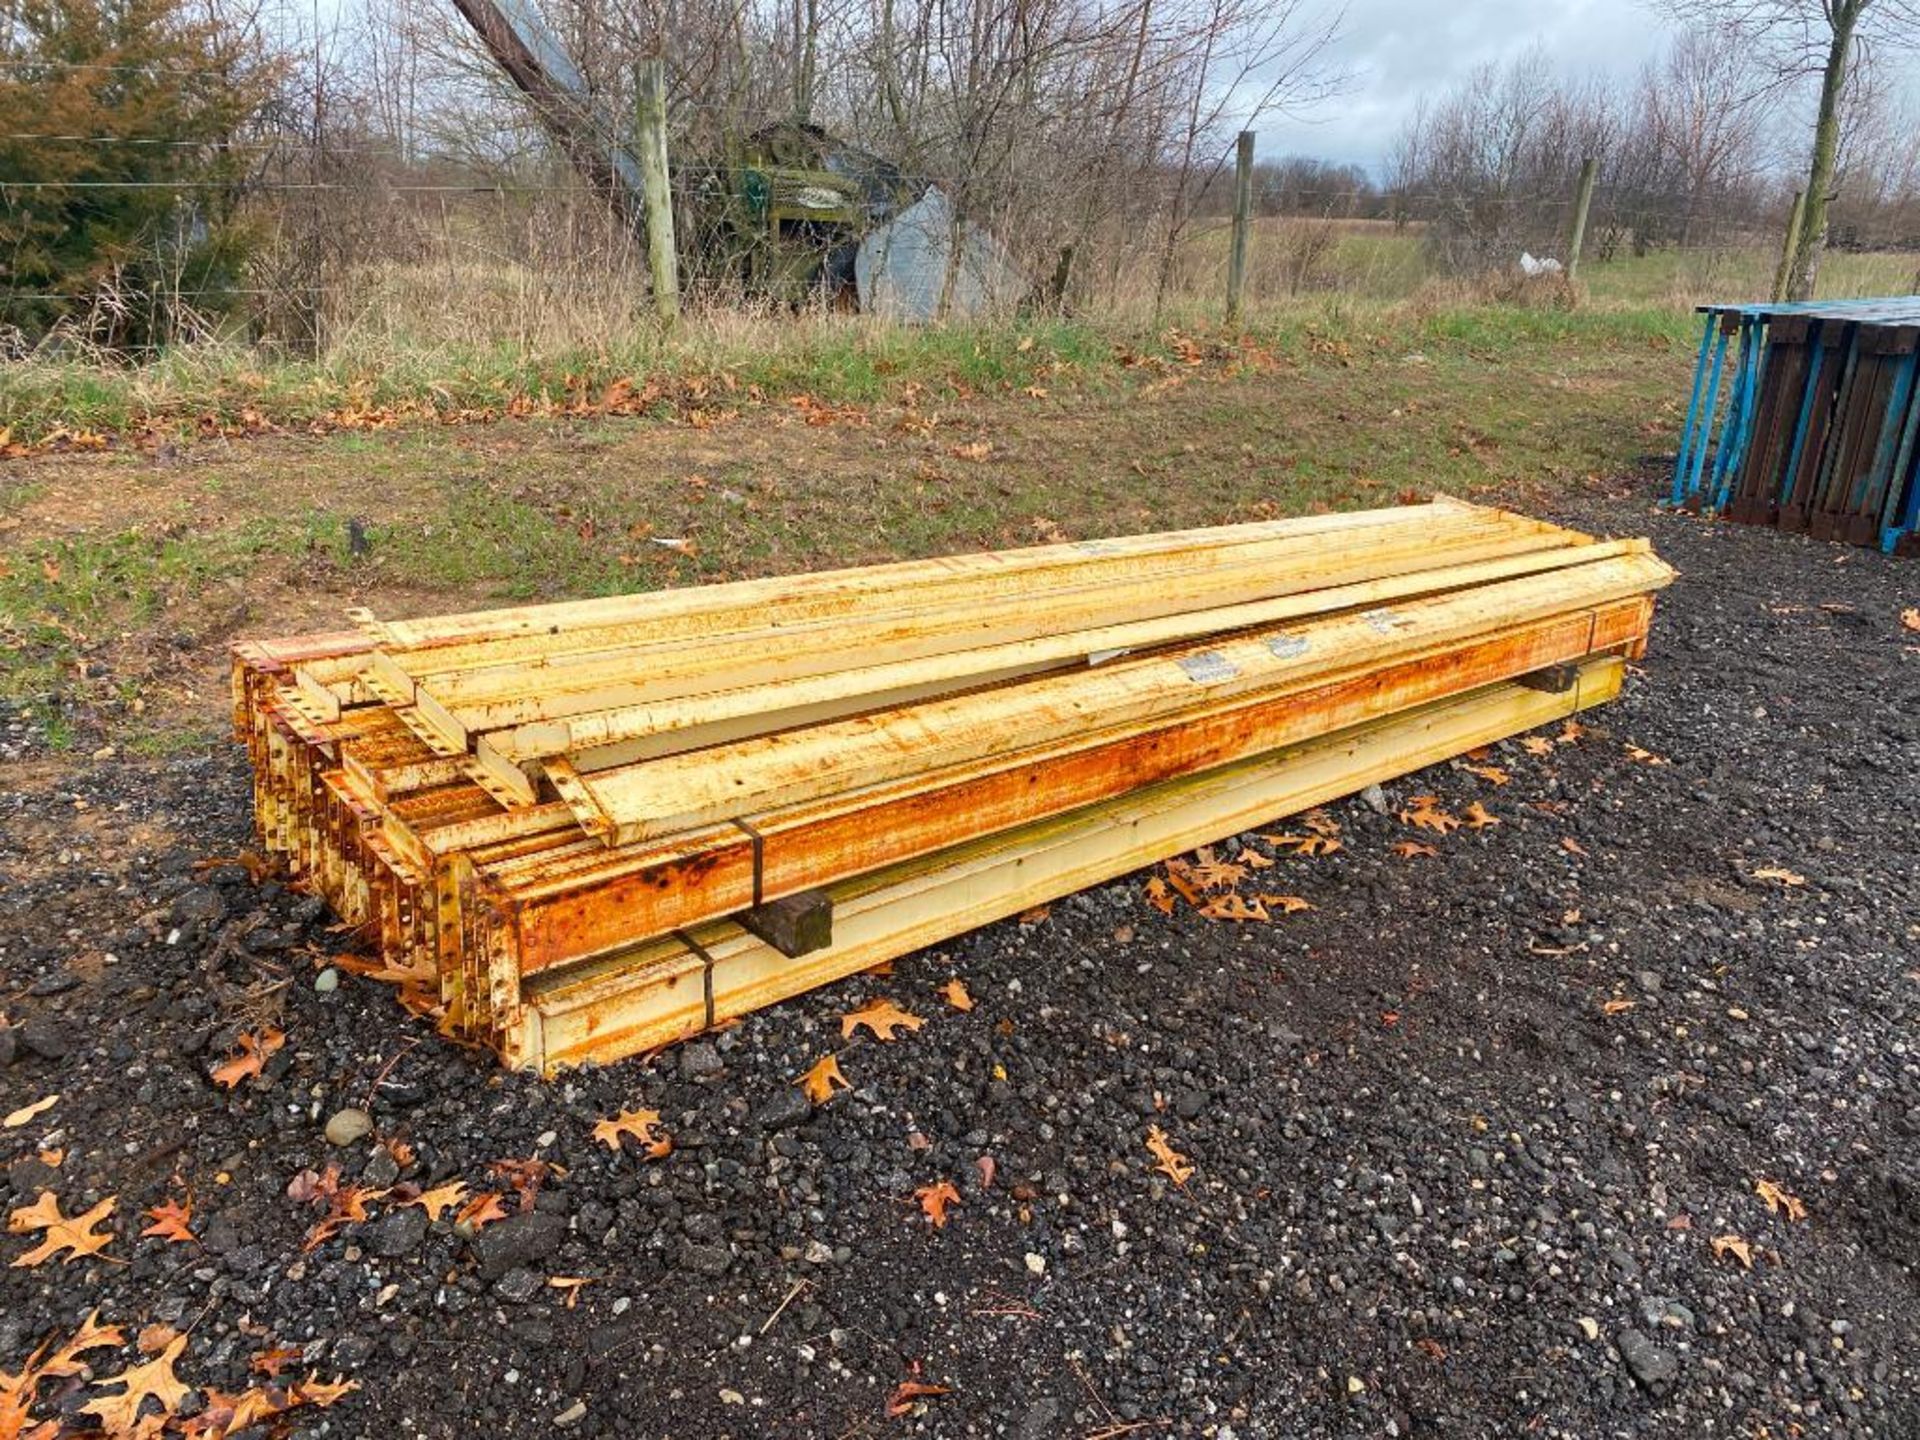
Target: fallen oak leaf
{"points": [[73, 1234], [1644, 757], [571, 1285], [482, 1210], [1911, 619], [170, 1219], [91, 1335], [1492, 774], [1407, 849], [954, 992], [643, 1125], [442, 1198], [1572, 846], [255, 1051], [1235, 907], [1478, 817], [1571, 733], [1308, 845], [1781, 874], [1725, 1245], [1617, 1007], [1536, 744], [1286, 904], [882, 1017], [320, 1394], [1778, 1200], [1423, 812], [154, 1380], [1172, 1163], [934, 1200], [820, 1080], [1159, 895], [272, 1361]]}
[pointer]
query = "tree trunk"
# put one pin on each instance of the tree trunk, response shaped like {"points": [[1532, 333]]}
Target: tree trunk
{"points": [[1826, 145]]}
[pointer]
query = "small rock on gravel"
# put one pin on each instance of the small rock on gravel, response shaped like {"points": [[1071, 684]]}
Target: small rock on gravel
{"points": [[327, 981], [713, 1260], [518, 1285], [783, 1110], [9, 1046], [519, 1240], [1653, 1367], [347, 1126], [700, 1061], [400, 1233], [46, 1037], [572, 1415]]}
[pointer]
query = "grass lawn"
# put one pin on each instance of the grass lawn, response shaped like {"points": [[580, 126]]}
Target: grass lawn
{"points": [[125, 571]]}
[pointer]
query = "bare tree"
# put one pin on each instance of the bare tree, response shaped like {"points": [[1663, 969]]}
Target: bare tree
{"points": [[1803, 38]]}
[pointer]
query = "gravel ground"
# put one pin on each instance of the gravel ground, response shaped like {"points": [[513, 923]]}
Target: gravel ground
{"points": [[1441, 1185]]}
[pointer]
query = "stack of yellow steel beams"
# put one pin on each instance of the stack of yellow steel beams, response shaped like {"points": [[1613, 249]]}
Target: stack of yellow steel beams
{"points": [[580, 830]]}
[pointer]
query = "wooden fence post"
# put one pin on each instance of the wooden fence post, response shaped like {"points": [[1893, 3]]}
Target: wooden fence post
{"points": [[1242, 220], [1582, 200], [1796, 217], [657, 192]]}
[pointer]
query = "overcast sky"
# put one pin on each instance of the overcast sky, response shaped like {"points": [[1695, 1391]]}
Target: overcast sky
{"points": [[1395, 49]]}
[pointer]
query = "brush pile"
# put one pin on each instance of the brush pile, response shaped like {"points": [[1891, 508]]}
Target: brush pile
{"points": [[577, 831]]}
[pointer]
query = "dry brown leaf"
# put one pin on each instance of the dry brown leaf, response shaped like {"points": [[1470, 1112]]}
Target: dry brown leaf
{"points": [[1617, 1007], [934, 1199], [91, 1335], [976, 450], [26, 1112], [882, 1017], [1423, 812], [1910, 618], [1235, 907], [819, 1082], [271, 1362], [1572, 846], [1159, 895], [954, 992], [1254, 860], [1216, 875], [1492, 774], [1034, 916], [1778, 1200], [571, 1285], [1320, 822], [1179, 878], [255, 1051], [72, 1234], [1172, 1163], [1306, 844], [1780, 874], [643, 1125], [170, 1219], [442, 1198], [1725, 1245], [313, 1391], [1286, 904], [1571, 733], [1644, 757], [1407, 849], [482, 1210], [1536, 744], [1480, 818], [154, 1380], [907, 1392]]}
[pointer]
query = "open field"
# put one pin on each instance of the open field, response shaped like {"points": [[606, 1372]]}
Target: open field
{"points": [[1471, 1134], [128, 569]]}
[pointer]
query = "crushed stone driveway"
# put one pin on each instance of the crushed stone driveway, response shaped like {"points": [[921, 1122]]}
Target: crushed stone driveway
{"points": [[1603, 1120]]}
